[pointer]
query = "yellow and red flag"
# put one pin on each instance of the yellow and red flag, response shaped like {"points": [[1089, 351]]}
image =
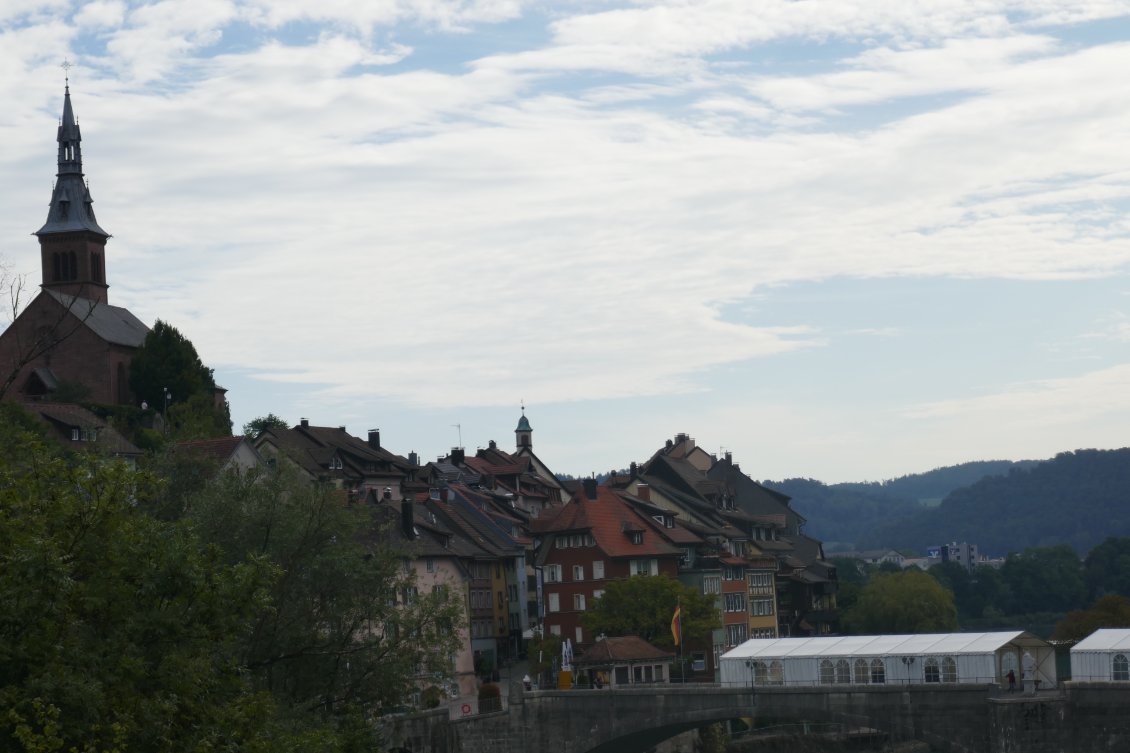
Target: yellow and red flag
{"points": [[677, 624]]}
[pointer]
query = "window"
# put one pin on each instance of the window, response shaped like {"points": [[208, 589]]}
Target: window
{"points": [[878, 672], [597, 593], [1121, 668], [555, 630], [760, 672], [949, 669], [735, 602], [555, 602], [579, 602], [761, 607], [764, 633], [430, 564], [698, 661], [76, 434], [827, 672], [843, 672], [501, 599], [732, 572], [735, 634], [776, 673], [335, 463], [598, 569], [589, 540], [578, 572], [933, 672], [636, 537], [580, 635], [562, 542], [643, 567], [760, 582], [553, 573], [862, 672], [711, 584]]}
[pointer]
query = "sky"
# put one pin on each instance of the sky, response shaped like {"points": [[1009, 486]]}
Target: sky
{"points": [[842, 239]]}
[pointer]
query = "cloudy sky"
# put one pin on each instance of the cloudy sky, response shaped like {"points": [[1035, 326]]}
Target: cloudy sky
{"points": [[843, 239]]}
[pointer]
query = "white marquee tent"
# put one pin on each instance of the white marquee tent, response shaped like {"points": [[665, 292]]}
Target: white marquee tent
{"points": [[887, 659], [1103, 656]]}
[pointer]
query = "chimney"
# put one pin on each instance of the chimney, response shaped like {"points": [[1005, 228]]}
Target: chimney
{"points": [[643, 491], [590, 487], [304, 423], [406, 522], [669, 444], [492, 445], [375, 438], [413, 458], [729, 457], [680, 438], [457, 456]]}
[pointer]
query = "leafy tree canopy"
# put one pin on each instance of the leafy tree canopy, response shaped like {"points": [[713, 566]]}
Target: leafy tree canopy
{"points": [[910, 601], [167, 364], [643, 605], [256, 426], [1110, 611], [1048, 578], [1107, 567]]}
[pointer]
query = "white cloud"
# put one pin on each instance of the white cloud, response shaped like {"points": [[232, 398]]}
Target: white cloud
{"points": [[101, 14]]}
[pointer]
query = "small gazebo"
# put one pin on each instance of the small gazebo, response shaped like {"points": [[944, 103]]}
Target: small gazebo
{"points": [[628, 660]]}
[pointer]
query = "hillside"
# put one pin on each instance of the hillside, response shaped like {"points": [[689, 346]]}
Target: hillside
{"points": [[1077, 498], [842, 515]]}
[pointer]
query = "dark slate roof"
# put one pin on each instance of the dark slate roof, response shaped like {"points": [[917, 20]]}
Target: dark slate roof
{"points": [[64, 417], [113, 324], [218, 448], [71, 208]]}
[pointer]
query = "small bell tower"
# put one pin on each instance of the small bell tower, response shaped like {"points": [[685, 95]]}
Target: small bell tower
{"points": [[72, 245], [523, 435]]}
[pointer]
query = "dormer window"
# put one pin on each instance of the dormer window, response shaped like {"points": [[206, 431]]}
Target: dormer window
{"points": [[335, 463], [76, 434], [636, 537]]}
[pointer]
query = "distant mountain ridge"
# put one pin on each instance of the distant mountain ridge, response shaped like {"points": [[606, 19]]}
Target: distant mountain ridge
{"points": [[845, 515], [1077, 498]]}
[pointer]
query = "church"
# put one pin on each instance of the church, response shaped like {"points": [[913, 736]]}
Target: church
{"points": [[69, 343]]}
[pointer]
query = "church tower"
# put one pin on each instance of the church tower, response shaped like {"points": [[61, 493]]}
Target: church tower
{"points": [[523, 435], [72, 246]]}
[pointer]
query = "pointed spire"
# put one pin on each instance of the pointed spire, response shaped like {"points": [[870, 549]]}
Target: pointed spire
{"points": [[72, 208]]}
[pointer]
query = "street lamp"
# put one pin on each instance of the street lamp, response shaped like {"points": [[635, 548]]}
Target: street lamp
{"points": [[165, 413]]}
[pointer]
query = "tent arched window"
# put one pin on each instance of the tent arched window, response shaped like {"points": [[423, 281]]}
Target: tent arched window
{"points": [[933, 670], [878, 672], [861, 674], [827, 672], [1121, 668], [843, 672], [776, 673], [949, 669]]}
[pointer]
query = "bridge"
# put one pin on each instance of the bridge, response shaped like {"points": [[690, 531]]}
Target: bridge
{"points": [[1080, 717]]}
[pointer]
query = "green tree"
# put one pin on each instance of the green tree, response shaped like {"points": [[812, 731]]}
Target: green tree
{"points": [[644, 605], [1044, 579], [256, 426], [167, 373], [1110, 611], [119, 631], [1106, 569], [345, 628], [910, 601]]}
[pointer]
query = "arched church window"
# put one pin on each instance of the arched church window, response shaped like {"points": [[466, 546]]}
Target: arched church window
{"points": [[56, 267], [72, 266], [96, 267], [1121, 668]]}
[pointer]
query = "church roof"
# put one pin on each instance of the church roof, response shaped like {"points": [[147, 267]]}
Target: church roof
{"points": [[113, 324], [523, 424], [72, 208]]}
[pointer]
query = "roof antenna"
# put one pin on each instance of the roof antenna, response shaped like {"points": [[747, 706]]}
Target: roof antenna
{"points": [[459, 428]]}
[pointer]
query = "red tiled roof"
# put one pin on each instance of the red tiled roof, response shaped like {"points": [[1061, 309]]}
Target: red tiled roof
{"points": [[606, 518], [625, 649]]}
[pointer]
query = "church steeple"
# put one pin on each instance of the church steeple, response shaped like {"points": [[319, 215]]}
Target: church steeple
{"points": [[72, 244], [523, 435]]}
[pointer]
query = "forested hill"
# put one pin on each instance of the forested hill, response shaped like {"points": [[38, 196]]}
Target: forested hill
{"points": [[842, 515], [1077, 498]]}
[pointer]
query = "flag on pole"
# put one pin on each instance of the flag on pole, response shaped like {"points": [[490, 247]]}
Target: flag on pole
{"points": [[677, 624]]}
